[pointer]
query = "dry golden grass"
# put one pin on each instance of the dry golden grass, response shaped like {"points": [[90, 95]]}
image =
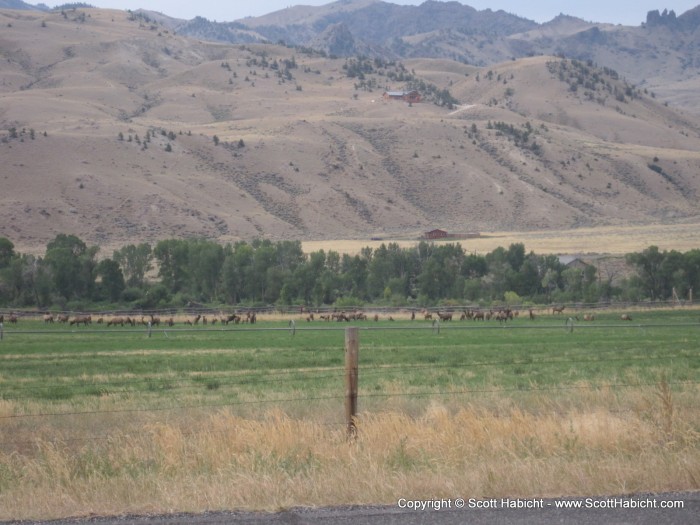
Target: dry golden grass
{"points": [[197, 462], [614, 240]]}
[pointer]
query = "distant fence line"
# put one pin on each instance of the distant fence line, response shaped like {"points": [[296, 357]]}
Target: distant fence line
{"points": [[436, 326], [304, 309]]}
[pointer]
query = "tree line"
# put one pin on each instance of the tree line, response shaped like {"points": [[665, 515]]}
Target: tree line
{"points": [[178, 272]]}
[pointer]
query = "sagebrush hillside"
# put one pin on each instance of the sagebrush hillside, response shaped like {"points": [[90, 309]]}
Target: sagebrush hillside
{"points": [[115, 129]]}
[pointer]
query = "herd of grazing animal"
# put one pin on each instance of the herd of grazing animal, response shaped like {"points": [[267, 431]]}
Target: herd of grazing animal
{"points": [[500, 314]]}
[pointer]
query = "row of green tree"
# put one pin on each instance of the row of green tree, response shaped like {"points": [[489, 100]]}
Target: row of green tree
{"points": [[176, 272]]}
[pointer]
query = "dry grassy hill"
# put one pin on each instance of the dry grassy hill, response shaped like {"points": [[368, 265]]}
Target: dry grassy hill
{"points": [[237, 142]]}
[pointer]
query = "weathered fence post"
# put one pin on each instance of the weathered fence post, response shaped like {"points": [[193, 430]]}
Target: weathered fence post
{"points": [[150, 328], [352, 344], [1, 334]]}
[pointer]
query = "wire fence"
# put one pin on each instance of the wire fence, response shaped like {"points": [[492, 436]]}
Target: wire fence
{"points": [[197, 309], [339, 398], [233, 379]]}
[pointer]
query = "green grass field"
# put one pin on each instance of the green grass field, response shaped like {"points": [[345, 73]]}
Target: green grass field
{"points": [[93, 367], [110, 421]]}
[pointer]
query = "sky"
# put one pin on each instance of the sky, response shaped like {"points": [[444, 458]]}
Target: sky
{"points": [[626, 12]]}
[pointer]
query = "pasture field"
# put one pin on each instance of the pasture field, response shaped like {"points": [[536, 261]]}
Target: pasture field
{"points": [[107, 421]]}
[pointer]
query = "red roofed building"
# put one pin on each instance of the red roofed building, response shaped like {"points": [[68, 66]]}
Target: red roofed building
{"points": [[406, 96]]}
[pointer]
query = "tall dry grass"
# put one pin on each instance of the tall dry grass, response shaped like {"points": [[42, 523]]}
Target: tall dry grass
{"points": [[198, 462]]}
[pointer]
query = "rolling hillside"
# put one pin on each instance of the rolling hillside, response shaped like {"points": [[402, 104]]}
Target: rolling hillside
{"points": [[116, 129]]}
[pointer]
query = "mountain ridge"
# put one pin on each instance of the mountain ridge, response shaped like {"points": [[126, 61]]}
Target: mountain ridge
{"points": [[115, 128]]}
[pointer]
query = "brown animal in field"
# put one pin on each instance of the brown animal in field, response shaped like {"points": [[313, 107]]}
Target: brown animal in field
{"points": [[376, 318], [588, 317], [532, 314], [391, 318], [170, 321], [100, 320], [444, 317], [213, 321], [479, 316], [188, 322], [428, 316], [413, 315], [503, 316], [310, 317], [48, 318], [63, 318], [12, 319], [81, 319], [252, 317], [196, 319], [626, 317], [155, 321], [114, 321], [558, 309], [130, 320], [325, 317]]}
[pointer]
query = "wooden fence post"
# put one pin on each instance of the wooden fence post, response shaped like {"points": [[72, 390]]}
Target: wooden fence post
{"points": [[352, 344]]}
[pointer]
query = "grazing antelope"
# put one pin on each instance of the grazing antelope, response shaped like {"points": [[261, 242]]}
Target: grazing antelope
{"points": [[558, 309], [116, 321]]}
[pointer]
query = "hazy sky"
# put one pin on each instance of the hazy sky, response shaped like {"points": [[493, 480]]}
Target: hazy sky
{"points": [[627, 12]]}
